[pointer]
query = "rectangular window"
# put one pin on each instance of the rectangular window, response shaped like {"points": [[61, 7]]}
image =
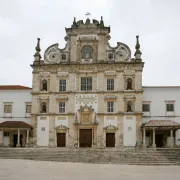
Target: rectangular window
{"points": [[62, 85], [146, 107], [6, 134], [7, 109], [62, 107], [110, 84], [169, 107], [86, 84], [110, 106], [28, 108]]}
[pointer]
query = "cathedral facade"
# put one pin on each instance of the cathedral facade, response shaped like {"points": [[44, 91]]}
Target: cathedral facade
{"points": [[87, 94]]}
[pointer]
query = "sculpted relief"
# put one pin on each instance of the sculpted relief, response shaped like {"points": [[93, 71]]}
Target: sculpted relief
{"points": [[55, 55], [85, 114], [86, 108], [99, 67], [119, 53], [86, 99], [92, 68]]}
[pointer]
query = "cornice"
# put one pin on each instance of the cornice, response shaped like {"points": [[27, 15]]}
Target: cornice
{"points": [[87, 92]]}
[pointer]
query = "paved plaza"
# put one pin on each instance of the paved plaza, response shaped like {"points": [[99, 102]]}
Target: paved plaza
{"points": [[39, 170]]}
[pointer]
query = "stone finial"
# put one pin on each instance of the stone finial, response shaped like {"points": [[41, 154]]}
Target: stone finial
{"points": [[38, 49], [87, 21], [137, 52], [137, 42], [74, 22], [37, 56], [102, 22]]}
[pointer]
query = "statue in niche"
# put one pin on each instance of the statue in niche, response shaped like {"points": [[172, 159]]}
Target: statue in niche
{"points": [[129, 107], [87, 52], [43, 108], [129, 84], [44, 85]]}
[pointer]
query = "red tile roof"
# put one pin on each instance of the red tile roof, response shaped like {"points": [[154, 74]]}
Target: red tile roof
{"points": [[161, 123], [13, 87], [14, 124]]}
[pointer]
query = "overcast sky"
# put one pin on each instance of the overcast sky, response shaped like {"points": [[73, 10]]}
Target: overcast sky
{"points": [[157, 22]]}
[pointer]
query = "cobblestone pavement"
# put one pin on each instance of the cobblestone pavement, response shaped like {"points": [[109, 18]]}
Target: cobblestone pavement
{"points": [[39, 170]]}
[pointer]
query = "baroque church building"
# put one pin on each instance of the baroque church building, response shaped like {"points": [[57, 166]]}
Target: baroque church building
{"points": [[87, 94]]}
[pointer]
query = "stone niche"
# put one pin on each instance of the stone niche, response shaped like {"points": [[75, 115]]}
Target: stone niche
{"points": [[91, 41]]}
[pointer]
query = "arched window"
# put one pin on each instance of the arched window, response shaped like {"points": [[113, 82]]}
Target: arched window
{"points": [[87, 52], [129, 84], [129, 106], [43, 107], [44, 85]]}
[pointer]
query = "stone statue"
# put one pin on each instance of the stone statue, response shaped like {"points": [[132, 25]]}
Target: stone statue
{"points": [[129, 108], [43, 108], [87, 52], [129, 84], [44, 85]]}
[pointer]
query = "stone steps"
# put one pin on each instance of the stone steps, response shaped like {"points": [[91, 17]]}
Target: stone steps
{"points": [[134, 157]]}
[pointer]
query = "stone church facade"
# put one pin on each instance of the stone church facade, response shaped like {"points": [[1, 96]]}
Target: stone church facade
{"points": [[87, 94]]}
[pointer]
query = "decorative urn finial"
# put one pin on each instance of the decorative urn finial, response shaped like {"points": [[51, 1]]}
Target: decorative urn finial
{"points": [[137, 52], [37, 56]]}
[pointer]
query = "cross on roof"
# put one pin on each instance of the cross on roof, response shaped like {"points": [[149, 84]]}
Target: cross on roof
{"points": [[88, 14]]}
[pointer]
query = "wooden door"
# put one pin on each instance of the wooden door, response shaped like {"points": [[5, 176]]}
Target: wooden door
{"points": [[61, 139], [159, 140], [110, 139], [85, 139]]}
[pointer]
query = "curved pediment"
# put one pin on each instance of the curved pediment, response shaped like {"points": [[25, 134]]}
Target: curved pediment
{"points": [[86, 109], [110, 127], [61, 127]]}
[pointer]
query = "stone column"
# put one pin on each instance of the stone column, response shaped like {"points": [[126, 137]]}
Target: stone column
{"points": [[144, 137], [2, 137], [18, 140], [27, 138], [154, 144], [171, 138]]}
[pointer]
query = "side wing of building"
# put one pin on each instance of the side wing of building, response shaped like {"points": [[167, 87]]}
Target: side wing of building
{"points": [[161, 113], [15, 114]]}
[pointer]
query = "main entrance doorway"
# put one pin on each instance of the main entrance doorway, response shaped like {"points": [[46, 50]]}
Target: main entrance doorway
{"points": [[110, 139], [61, 139], [85, 138], [16, 138], [159, 140]]}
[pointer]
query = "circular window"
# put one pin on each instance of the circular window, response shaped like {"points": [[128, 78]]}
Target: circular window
{"points": [[129, 128]]}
